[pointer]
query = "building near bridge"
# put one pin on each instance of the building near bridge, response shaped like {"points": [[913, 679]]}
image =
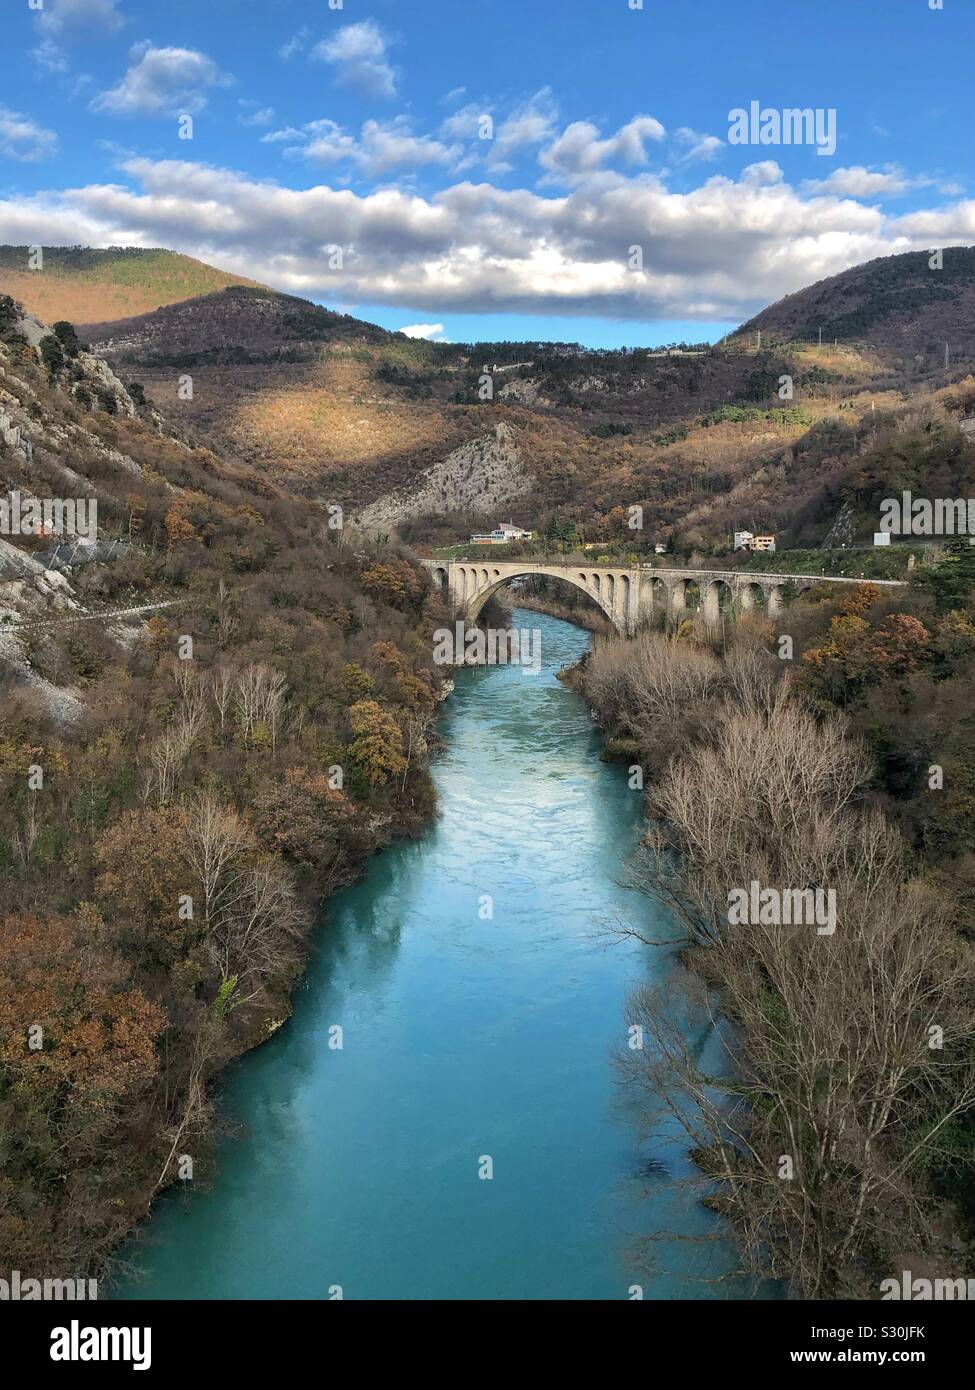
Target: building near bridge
{"points": [[745, 540], [502, 534]]}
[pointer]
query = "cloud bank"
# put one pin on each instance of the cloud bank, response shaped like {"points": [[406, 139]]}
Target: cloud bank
{"points": [[719, 252]]}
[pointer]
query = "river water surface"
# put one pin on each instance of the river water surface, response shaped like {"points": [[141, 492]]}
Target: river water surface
{"points": [[466, 1036]]}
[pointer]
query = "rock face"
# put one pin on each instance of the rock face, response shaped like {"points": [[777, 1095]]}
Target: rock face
{"points": [[523, 391], [843, 530], [90, 375], [482, 475], [40, 441]]}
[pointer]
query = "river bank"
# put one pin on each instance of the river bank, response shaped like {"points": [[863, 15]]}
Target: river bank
{"points": [[228, 775], [826, 1140], [581, 614]]}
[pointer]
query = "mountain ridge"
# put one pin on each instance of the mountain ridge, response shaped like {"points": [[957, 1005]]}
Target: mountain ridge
{"points": [[183, 333], [80, 283], [402, 433], [900, 304]]}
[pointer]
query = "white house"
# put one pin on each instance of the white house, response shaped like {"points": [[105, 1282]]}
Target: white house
{"points": [[502, 534], [744, 540]]}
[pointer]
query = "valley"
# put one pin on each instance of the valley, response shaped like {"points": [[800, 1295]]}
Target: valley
{"points": [[766, 428], [487, 642], [251, 657]]}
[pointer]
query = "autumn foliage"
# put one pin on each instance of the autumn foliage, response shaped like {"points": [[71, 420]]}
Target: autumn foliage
{"points": [[232, 760]]}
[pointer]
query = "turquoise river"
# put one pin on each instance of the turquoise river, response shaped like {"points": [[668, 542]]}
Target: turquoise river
{"points": [[472, 1031]]}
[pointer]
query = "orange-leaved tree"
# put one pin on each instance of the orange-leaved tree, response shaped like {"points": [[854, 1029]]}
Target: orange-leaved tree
{"points": [[377, 745]]}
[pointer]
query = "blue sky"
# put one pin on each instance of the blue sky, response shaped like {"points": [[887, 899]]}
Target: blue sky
{"points": [[467, 170]]}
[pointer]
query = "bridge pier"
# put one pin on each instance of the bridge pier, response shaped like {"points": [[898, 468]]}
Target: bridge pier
{"points": [[650, 590], [628, 602], [677, 601]]}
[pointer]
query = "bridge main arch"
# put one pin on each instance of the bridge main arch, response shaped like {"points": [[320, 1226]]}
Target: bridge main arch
{"points": [[473, 585]]}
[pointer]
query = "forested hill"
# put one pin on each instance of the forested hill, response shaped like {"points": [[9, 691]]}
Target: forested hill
{"points": [[83, 283], [899, 305], [232, 326], [214, 677]]}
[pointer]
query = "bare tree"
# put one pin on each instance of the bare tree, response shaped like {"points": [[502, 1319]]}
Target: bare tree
{"points": [[167, 757], [259, 698], [259, 931], [227, 624], [25, 837], [188, 683], [849, 1054], [221, 688], [651, 678], [251, 913], [218, 847], [415, 728], [832, 1101]]}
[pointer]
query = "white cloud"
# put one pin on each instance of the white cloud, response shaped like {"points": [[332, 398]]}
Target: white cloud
{"points": [[765, 174], [162, 82], [891, 181], [465, 123], [58, 15], [289, 134], [394, 146], [323, 142], [532, 123], [858, 182], [359, 53], [702, 147], [380, 148], [23, 139], [386, 145], [252, 115], [50, 56], [296, 44], [579, 151], [433, 332], [718, 252]]}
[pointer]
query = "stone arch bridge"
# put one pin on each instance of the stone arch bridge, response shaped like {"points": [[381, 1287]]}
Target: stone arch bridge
{"points": [[630, 595]]}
